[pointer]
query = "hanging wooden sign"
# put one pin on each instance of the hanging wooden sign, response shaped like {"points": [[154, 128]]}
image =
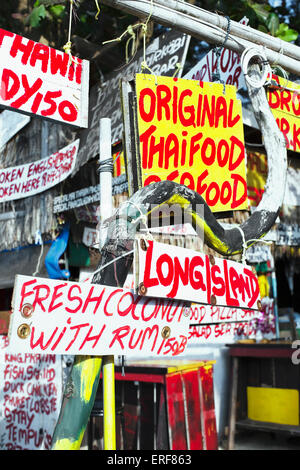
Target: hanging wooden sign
{"points": [[230, 68], [37, 79], [284, 101], [212, 324], [173, 272], [57, 317], [35, 177], [189, 132]]}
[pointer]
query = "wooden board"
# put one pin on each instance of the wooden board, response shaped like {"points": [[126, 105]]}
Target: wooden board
{"points": [[166, 271], [39, 80], [81, 318]]}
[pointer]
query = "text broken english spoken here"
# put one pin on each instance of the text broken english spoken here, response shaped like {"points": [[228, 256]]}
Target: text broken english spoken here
{"points": [[38, 176], [57, 317]]}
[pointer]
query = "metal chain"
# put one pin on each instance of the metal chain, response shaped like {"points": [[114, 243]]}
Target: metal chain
{"points": [[218, 50]]}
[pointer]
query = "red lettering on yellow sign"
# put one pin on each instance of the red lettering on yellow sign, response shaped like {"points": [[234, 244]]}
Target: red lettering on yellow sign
{"points": [[192, 133], [284, 101]]}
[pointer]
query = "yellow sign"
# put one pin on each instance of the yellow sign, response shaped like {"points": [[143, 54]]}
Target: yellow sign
{"points": [[284, 101], [273, 405], [119, 164], [191, 132], [257, 172]]}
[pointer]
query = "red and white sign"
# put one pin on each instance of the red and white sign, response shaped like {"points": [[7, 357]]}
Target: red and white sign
{"points": [[43, 81], [32, 178], [82, 318], [212, 324], [178, 273], [90, 237], [30, 398], [230, 68]]}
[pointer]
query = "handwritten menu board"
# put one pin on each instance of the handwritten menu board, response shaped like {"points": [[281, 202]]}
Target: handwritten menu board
{"points": [[30, 398]]}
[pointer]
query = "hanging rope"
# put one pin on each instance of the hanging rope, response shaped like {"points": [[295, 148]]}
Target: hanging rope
{"points": [[68, 46], [245, 245], [98, 10], [132, 39], [106, 165], [144, 64]]}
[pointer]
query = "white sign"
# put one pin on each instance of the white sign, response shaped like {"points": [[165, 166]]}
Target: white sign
{"points": [[30, 398], [214, 324], [177, 229], [39, 80], [292, 188], [56, 317], [10, 124], [33, 178], [258, 253], [288, 234], [230, 69], [90, 237], [173, 272]]}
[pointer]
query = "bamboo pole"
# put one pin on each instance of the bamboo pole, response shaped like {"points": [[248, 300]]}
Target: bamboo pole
{"points": [[236, 29], [109, 425], [207, 30]]}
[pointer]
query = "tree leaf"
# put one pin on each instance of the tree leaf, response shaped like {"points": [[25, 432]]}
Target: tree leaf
{"points": [[285, 33], [57, 10], [272, 23], [37, 14], [262, 11]]}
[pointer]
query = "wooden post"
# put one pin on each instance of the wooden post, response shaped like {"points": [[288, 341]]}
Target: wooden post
{"points": [[233, 400]]}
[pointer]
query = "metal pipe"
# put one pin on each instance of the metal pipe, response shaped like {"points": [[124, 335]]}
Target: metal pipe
{"points": [[105, 169]]}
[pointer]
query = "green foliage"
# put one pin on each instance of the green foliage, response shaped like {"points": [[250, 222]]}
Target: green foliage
{"points": [[38, 13], [57, 11], [272, 22], [261, 15], [45, 9], [285, 33]]}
